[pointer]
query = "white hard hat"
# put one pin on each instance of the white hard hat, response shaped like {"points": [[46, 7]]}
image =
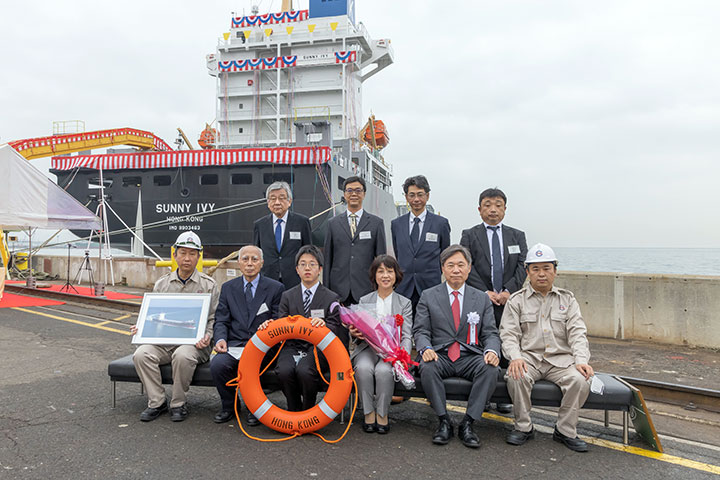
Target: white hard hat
{"points": [[540, 253], [188, 240]]}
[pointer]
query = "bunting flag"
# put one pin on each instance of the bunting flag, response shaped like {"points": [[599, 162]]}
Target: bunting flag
{"points": [[257, 64], [268, 63], [346, 57], [269, 19], [196, 158]]}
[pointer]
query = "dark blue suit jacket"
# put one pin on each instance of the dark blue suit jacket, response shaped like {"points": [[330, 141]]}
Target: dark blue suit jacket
{"points": [[233, 323], [420, 266]]}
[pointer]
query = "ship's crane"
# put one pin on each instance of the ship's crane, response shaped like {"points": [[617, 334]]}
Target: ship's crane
{"points": [[184, 139], [53, 145]]}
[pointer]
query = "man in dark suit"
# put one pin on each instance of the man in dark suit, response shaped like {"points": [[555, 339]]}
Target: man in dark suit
{"points": [[280, 235], [296, 362], [418, 237], [244, 304], [455, 334], [352, 242]]}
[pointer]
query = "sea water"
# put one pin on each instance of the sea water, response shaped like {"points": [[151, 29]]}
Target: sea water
{"points": [[682, 261]]}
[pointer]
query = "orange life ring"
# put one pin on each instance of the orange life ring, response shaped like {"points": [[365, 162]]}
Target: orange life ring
{"points": [[341, 371]]}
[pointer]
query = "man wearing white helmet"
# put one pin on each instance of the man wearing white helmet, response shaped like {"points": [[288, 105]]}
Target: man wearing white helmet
{"points": [[544, 336], [184, 358]]}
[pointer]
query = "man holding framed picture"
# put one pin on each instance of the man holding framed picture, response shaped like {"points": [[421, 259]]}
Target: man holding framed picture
{"points": [[184, 358]]}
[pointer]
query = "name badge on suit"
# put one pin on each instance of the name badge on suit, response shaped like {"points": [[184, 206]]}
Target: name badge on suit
{"points": [[431, 237], [365, 235], [319, 313], [295, 236], [513, 249]]}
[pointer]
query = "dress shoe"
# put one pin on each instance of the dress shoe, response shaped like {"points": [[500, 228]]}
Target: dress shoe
{"points": [[252, 420], [368, 427], [382, 429], [504, 408], [467, 436], [572, 443], [178, 414], [443, 433], [516, 437], [223, 416], [150, 413]]}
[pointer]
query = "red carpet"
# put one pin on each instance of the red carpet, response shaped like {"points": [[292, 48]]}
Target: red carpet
{"points": [[84, 291], [10, 300]]}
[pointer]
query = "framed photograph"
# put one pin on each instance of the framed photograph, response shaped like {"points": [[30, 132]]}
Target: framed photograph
{"points": [[172, 318]]}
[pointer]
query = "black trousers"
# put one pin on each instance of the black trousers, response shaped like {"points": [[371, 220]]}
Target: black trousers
{"points": [[298, 375], [469, 366], [223, 368]]}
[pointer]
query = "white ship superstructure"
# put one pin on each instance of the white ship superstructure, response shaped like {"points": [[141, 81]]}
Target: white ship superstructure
{"points": [[279, 70]]}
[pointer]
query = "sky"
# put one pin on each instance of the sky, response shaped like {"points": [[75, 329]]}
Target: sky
{"points": [[599, 120]]}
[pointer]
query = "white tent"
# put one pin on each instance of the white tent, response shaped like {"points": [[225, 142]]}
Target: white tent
{"points": [[28, 199]]}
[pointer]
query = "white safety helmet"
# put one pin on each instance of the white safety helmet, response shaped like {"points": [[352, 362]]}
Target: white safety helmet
{"points": [[540, 253], [188, 240]]}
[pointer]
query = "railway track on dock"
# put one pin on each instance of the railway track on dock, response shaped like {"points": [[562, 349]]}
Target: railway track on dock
{"points": [[685, 396]]}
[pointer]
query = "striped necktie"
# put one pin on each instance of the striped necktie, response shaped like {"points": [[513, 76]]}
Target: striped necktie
{"points": [[306, 302]]}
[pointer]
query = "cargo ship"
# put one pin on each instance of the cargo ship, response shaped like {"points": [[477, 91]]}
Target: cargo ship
{"points": [[288, 107]]}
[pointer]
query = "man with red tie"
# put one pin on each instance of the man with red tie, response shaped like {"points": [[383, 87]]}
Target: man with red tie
{"points": [[455, 332]]}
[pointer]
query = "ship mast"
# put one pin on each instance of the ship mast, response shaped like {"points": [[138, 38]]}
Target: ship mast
{"points": [[287, 5]]}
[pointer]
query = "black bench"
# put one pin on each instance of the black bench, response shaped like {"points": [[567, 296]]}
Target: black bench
{"points": [[616, 397]]}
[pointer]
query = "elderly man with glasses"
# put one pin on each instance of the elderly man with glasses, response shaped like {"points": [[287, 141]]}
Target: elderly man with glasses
{"points": [[245, 303], [281, 234], [353, 240]]}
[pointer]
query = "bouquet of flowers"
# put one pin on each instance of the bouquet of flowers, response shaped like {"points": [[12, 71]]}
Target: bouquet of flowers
{"points": [[383, 334]]}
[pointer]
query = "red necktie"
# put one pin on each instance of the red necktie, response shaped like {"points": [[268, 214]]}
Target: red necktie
{"points": [[454, 350]]}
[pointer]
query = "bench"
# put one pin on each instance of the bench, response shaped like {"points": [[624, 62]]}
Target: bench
{"points": [[617, 396]]}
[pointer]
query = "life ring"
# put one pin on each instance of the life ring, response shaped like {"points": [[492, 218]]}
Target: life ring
{"points": [[341, 372]]}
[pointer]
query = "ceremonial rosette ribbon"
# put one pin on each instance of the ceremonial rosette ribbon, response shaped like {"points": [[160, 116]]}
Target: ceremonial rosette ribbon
{"points": [[383, 334], [472, 319]]}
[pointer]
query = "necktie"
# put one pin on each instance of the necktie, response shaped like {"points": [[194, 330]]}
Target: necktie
{"points": [[415, 234], [353, 224], [278, 234], [497, 264], [454, 350], [306, 303], [248, 296]]}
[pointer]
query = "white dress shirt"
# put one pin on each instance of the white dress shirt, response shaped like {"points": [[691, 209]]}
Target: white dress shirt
{"points": [[312, 289], [357, 220], [421, 225], [502, 248]]}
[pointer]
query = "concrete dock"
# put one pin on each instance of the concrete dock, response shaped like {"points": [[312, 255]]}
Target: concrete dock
{"points": [[57, 422]]}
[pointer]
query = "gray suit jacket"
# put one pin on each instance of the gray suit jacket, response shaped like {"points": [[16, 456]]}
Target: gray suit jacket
{"points": [[400, 305], [348, 259], [434, 326]]}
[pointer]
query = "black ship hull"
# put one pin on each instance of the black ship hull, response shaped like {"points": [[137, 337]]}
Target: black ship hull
{"points": [[173, 200]]}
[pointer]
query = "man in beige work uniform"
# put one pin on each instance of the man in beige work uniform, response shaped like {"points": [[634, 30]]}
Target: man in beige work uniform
{"points": [[184, 358], [544, 337]]}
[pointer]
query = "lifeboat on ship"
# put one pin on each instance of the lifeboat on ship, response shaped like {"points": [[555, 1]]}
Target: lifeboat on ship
{"points": [[208, 137], [375, 134]]}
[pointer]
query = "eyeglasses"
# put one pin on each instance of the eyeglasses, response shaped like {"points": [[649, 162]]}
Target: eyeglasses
{"points": [[247, 259], [354, 190], [306, 265], [413, 196]]}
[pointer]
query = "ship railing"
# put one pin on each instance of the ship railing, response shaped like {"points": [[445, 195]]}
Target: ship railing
{"points": [[300, 32]]}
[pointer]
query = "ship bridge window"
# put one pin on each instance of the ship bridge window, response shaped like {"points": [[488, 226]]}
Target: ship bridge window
{"points": [[209, 179], [131, 181], [241, 179], [269, 178], [95, 182], [161, 180]]}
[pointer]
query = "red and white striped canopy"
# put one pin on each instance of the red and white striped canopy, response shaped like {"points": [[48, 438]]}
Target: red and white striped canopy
{"points": [[195, 158]]}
